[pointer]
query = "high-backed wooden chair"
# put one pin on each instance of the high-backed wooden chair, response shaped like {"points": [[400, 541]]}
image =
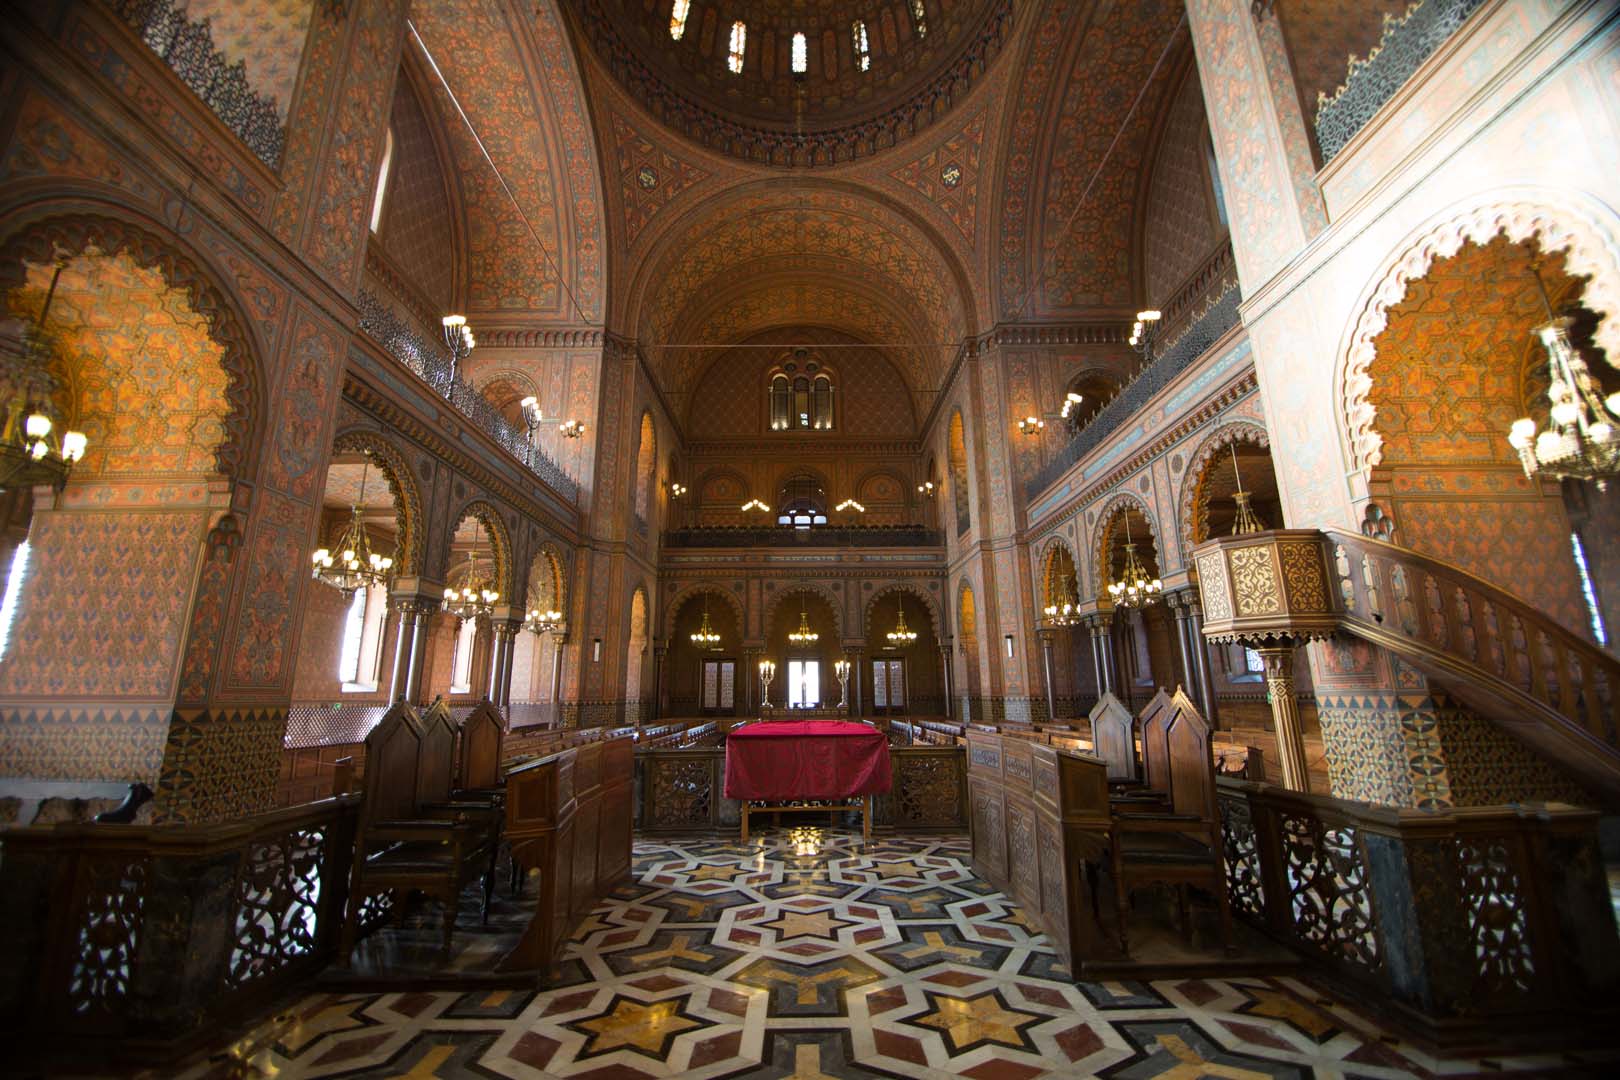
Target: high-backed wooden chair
{"points": [[1181, 847], [407, 839], [478, 770], [1113, 738]]}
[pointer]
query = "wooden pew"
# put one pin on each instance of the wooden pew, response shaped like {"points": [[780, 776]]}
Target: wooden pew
{"points": [[568, 818]]}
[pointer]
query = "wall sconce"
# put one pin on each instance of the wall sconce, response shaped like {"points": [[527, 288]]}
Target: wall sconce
{"points": [[1031, 425], [1070, 401], [926, 489], [571, 429], [677, 490]]}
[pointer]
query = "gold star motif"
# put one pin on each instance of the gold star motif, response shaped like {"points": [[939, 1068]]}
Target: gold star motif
{"points": [[794, 924], [715, 873], [898, 869], [640, 1027], [970, 1021]]}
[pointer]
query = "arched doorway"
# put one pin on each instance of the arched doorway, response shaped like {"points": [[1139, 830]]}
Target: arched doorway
{"points": [[636, 659], [704, 678], [460, 649], [902, 677], [804, 670], [1142, 637], [646, 468], [1074, 678], [967, 627], [957, 458], [537, 657]]}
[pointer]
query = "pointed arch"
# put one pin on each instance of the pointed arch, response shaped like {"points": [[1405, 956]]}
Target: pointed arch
{"points": [[930, 602], [402, 486], [688, 590], [500, 542], [774, 598], [1194, 500]]}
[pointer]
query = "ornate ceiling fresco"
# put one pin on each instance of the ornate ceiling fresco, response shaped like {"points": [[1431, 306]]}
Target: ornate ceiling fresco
{"points": [[919, 60], [515, 76]]}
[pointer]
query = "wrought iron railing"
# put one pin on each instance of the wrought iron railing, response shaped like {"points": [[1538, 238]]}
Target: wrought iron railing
{"points": [[1407, 42], [187, 46], [730, 536], [430, 363], [1210, 328]]}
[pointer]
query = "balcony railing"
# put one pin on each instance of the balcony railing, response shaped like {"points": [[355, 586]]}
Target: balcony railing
{"points": [[1407, 42], [187, 46], [429, 362], [741, 536], [1210, 328]]}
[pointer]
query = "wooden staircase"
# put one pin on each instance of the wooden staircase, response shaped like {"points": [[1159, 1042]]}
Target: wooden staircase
{"points": [[1499, 655]]}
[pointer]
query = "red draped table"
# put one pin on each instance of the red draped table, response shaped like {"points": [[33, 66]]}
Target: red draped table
{"points": [[795, 761]]}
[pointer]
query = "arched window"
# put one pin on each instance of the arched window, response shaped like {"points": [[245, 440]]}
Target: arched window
{"points": [[863, 48], [382, 179], [802, 405], [739, 45], [14, 581], [919, 19], [646, 468], [779, 403], [461, 661], [822, 405], [360, 658], [801, 54], [677, 18], [803, 502]]}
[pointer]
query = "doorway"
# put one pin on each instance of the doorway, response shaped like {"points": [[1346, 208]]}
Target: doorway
{"points": [[889, 686], [718, 693], [804, 684]]}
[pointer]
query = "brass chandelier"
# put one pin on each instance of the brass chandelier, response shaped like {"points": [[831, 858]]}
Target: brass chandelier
{"points": [[1066, 613], [803, 635], [539, 621], [29, 454], [704, 636], [477, 595], [902, 635], [1245, 520], [1134, 588], [1579, 442], [355, 566]]}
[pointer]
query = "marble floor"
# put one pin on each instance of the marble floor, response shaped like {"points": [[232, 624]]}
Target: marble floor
{"points": [[811, 954]]}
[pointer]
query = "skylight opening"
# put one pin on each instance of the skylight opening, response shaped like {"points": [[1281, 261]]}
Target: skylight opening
{"points": [[801, 54], [677, 18], [919, 19], [863, 48], [739, 45]]}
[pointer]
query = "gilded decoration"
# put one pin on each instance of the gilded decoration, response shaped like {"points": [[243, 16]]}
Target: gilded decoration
{"points": [[1213, 587], [1254, 581], [1302, 576]]}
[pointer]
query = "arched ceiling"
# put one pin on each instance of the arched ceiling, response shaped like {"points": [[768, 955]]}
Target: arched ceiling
{"points": [[513, 72], [773, 254], [921, 58]]}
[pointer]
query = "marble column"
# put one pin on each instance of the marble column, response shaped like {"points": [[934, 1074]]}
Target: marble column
{"points": [[424, 611], [1200, 652], [945, 666], [1046, 634], [1279, 661], [558, 639], [404, 634]]}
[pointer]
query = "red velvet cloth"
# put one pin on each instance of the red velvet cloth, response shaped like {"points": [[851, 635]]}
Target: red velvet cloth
{"points": [[781, 761]]}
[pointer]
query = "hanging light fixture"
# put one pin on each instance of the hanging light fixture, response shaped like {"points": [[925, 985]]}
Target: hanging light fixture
{"points": [[1134, 588], [355, 566], [477, 595], [803, 635], [539, 621], [1246, 520], [1579, 441], [1066, 613], [902, 635], [27, 453], [705, 637]]}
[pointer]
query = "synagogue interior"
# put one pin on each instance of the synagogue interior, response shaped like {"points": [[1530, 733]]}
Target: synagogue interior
{"points": [[748, 538]]}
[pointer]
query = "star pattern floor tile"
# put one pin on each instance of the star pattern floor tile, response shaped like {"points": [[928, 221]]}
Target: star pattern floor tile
{"points": [[813, 955]]}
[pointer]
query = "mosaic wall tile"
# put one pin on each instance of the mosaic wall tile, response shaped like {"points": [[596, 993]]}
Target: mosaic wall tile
{"points": [[220, 763], [102, 743]]}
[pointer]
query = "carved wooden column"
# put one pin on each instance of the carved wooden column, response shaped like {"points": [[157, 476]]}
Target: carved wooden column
{"points": [[1279, 661], [1046, 634]]}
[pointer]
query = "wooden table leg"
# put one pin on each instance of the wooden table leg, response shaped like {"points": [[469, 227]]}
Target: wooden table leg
{"points": [[745, 821], [866, 817]]}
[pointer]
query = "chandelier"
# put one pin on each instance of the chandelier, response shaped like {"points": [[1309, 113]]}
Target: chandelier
{"points": [[1579, 441], [901, 635], [1134, 588], [1031, 425], [704, 636], [355, 566], [1245, 520], [477, 595], [542, 622], [1068, 612], [27, 456], [803, 635]]}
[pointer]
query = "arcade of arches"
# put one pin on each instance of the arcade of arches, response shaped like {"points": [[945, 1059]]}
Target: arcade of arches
{"points": [[897, 335]]}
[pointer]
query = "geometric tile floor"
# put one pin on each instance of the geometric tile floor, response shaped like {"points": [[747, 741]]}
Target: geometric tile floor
{"points": [[811, 954]]}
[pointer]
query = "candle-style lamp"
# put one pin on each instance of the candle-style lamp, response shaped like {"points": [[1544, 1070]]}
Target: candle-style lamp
{"points": [[767, 672], [841, 669]]}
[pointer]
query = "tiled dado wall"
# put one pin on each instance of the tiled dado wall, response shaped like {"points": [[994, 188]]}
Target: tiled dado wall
{"points": [[220, 763]]}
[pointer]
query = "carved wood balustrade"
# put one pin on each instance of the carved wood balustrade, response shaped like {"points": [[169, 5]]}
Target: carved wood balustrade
{"points": [[1494, 652], [1466, 923], [151, 936]]}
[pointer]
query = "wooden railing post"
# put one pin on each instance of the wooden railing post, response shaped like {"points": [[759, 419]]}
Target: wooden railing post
{"points": [[1279, 664]]}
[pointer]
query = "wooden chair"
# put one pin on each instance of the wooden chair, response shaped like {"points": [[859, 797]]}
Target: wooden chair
{"points": [[1113, 739], [1181, 847], [406, 838]]}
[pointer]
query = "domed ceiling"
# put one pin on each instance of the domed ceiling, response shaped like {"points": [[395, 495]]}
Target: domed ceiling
{"points": [[722, 72]]}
